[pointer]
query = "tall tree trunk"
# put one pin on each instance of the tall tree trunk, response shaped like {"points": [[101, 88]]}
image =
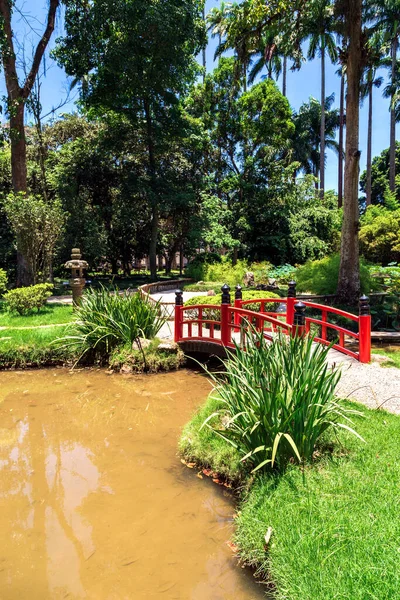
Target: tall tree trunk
{"points": [[349, 271], [341, 138], [18, 147], [392, 159], [322, 148], [369, 148], [205, 47], [284, 76], [19, 180], [153, 200]]}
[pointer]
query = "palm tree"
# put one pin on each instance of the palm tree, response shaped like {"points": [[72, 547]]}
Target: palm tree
{"points": [[375, 56], [307, 139], [216, 20], [321, 41], [268, 56], [386, 14]]}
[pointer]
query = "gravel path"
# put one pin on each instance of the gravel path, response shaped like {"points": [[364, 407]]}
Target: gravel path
{"points": [[374, 385]]}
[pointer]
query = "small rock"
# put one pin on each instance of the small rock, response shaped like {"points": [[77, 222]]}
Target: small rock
{"points": [[248, 279], [126, 370], [168, 347], [379, 358], [141, 344], [211, 293]]}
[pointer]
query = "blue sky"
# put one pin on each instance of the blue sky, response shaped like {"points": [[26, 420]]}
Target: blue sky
{"points": [[301, 84]]}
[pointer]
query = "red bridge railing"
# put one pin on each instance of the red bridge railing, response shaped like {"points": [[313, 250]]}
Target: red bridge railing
{"points": [[224, 324]]}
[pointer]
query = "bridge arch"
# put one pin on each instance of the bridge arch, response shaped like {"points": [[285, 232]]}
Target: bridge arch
{"points": [[201, 328]]}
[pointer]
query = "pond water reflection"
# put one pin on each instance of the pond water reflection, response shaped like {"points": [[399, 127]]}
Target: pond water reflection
{"points": [[95, 503]]}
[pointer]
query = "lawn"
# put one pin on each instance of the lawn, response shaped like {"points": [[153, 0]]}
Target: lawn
{"points": [[391, 352], [335, 528], [50, 314], [29, 340]]}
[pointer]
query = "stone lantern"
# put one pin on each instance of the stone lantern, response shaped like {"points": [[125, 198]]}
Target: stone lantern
{"points": [[77, 281]]}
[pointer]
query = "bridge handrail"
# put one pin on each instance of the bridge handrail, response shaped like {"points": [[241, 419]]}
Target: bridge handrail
{"points": [[331, 309], [258, 315], [296, 322]]}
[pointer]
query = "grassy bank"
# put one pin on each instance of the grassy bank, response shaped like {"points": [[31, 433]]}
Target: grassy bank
{"points": [[335, 528], [28, 341], [32, 347]]}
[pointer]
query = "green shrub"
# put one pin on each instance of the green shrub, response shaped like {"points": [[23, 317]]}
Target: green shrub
{"points": [[197, 267], [321, 276], [3, 282], [217, 299], [278, 399], [108, 319], [226, 272], [379, 234], [24, 300], [386, 314], [204, 286]]}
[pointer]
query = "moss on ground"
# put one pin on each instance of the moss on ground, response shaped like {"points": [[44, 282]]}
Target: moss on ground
{"points": [[151, 359], [335, 526]]}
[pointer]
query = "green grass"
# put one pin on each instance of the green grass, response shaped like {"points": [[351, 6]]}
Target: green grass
{"points": [[392, 353], [336, 529], [31, 347], [51, 314]]}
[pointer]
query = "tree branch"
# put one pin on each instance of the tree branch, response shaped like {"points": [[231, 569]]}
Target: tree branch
{"points": [[40, 48], [8, 55]]}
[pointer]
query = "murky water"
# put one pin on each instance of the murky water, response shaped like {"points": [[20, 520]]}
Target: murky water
{"points": [[95, 503]]}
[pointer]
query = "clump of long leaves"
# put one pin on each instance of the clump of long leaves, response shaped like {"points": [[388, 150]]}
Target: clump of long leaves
{"points": [[277, 399], [107, 319]]}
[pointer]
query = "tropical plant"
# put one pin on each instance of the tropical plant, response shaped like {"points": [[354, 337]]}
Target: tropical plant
{"points": [[307, 140], [216, 20], [277, 399], [108, 319]]}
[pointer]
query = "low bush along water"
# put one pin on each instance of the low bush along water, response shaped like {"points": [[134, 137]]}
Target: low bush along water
{"points": [[107, 319], [277, 399]]}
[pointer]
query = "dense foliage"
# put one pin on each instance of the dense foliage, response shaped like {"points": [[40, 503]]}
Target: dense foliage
{"points": [[321, 276]]}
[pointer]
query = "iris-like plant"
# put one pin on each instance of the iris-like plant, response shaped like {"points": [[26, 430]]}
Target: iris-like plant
{"points": [[277, 399], [107, 319]]}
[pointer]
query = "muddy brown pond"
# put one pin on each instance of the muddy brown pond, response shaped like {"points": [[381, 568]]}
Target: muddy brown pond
{"points": [[94, 501]]}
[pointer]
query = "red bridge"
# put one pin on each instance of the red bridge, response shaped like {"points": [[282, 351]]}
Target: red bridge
{"points": [[222, 326]]}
